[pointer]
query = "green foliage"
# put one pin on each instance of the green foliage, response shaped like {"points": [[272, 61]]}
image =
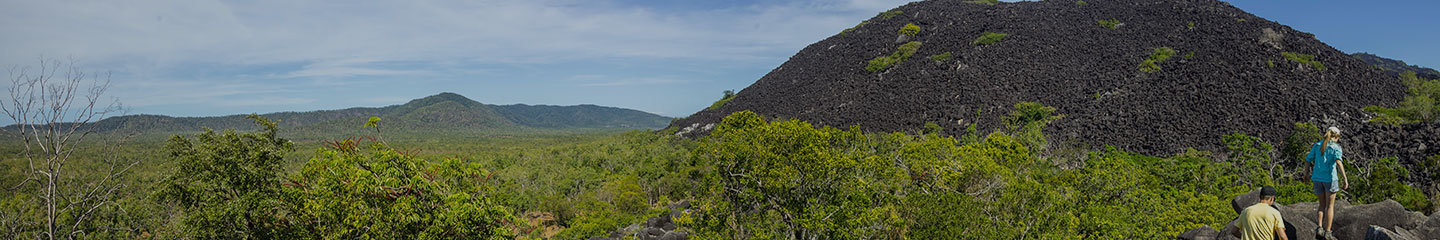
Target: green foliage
{"points": [[1190, 24], [1306, 59], [227, 183], [796, 181], [1270, 63], [1385, 180], [228, 186], [909, 29], [941, 57], [851, 29], [988, 38], [729, 94], [901, 53], [1151, 63], [1240, 20], [1190, 55], [1252, 158], [1419, 104], [930, 128], [1081, 3], [1026, 121], [889, 14], [986, 2], [1111, 24], [1298, 144], [352, 191]]}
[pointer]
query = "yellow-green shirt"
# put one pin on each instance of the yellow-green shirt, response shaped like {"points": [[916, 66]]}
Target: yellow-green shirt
{"points": [[1259, 221]]}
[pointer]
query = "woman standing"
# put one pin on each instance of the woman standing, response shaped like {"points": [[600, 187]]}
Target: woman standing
{"points": [[1326, 155]]}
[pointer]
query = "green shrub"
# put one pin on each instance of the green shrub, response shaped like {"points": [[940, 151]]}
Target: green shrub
{"points": [[1240, 20], [1306, 59], [988, 38], [909, 29], [1190, 24], [930, 128], [228, 184], [1386, 180], [1419, 105], [901, 53], [1160, 54], [986, 2], [851, 29], [1081, 3], [889, 14], [1111, 24], [1190, 55], [1270, 63], [941, 57], [1297, 145], [729, 94]]}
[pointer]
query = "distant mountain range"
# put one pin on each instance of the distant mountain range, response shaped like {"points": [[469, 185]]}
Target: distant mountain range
{"points": [[440, 113], [1394, 66]]}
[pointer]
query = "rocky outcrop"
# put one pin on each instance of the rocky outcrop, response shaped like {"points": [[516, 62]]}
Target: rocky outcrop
{"points": [[1382, 220], [661, 227], [1227, 74]]}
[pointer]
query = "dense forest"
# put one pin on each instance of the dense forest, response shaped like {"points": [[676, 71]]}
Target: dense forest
{"points": [[753, 177]]}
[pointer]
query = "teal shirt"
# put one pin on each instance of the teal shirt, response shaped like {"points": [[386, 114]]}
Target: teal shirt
{"points": [[1325, 161]]}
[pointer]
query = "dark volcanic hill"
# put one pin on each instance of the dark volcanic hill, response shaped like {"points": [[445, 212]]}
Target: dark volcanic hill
{"points": [[1229, 74], [1394, 66], [444, 112]]}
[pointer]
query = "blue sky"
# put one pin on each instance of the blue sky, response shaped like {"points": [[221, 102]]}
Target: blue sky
{"points": [[207, 57]]}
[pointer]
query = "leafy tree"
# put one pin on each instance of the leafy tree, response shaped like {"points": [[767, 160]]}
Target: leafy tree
{"points": [[350, 190], [227, 184]]}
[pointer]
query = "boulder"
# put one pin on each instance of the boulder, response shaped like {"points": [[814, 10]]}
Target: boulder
{"points": [[1239, 203], [675, 235], [1354, 221], [1380, 233], [650, 233]]}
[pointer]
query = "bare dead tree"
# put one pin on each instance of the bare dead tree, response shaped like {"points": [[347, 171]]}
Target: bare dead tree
{"points": [[52, 109]]}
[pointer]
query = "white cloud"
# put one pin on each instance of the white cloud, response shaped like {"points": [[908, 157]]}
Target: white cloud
{"points": [[211, 52]]}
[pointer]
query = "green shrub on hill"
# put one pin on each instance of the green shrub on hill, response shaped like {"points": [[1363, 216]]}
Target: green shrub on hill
{"points": [[909, 29], [901, 53], [988, 38], [889, 14], [729, 94], [1419, 104], [986, 2], [940, 57], [1151, 63], [228, 184], [1111, 24], [851, 29], [1306, 59]]}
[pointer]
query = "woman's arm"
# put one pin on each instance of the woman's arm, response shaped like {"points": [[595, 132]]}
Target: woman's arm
{"points": [[1339, 165]]}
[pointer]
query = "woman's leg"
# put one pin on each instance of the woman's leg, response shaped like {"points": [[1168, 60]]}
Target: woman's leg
{"points": [[1329, 211]]}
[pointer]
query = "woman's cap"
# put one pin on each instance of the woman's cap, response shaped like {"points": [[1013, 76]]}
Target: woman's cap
{"points": [[1334, 129]]}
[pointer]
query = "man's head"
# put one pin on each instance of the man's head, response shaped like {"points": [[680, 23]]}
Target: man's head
{"points": [[1268, 194]]}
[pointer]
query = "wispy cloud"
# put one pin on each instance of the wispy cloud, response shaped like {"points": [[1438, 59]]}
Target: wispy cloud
{"points": [[632, 82]]}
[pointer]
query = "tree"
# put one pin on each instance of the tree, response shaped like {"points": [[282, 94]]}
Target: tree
{"points": [[52, 109], [228, 183]]}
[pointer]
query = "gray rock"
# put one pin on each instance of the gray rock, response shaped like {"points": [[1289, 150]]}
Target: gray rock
{"points": [[1380, 233], [650, 234], [1245, 200], [1352, 222], [676, 235], [1200, 233]]}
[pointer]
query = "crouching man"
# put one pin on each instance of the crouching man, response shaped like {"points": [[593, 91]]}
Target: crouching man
{"points": [[1262, 221]]}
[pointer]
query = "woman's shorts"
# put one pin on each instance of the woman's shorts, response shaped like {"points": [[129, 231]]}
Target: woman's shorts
{"points": [[1325, 187]]}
